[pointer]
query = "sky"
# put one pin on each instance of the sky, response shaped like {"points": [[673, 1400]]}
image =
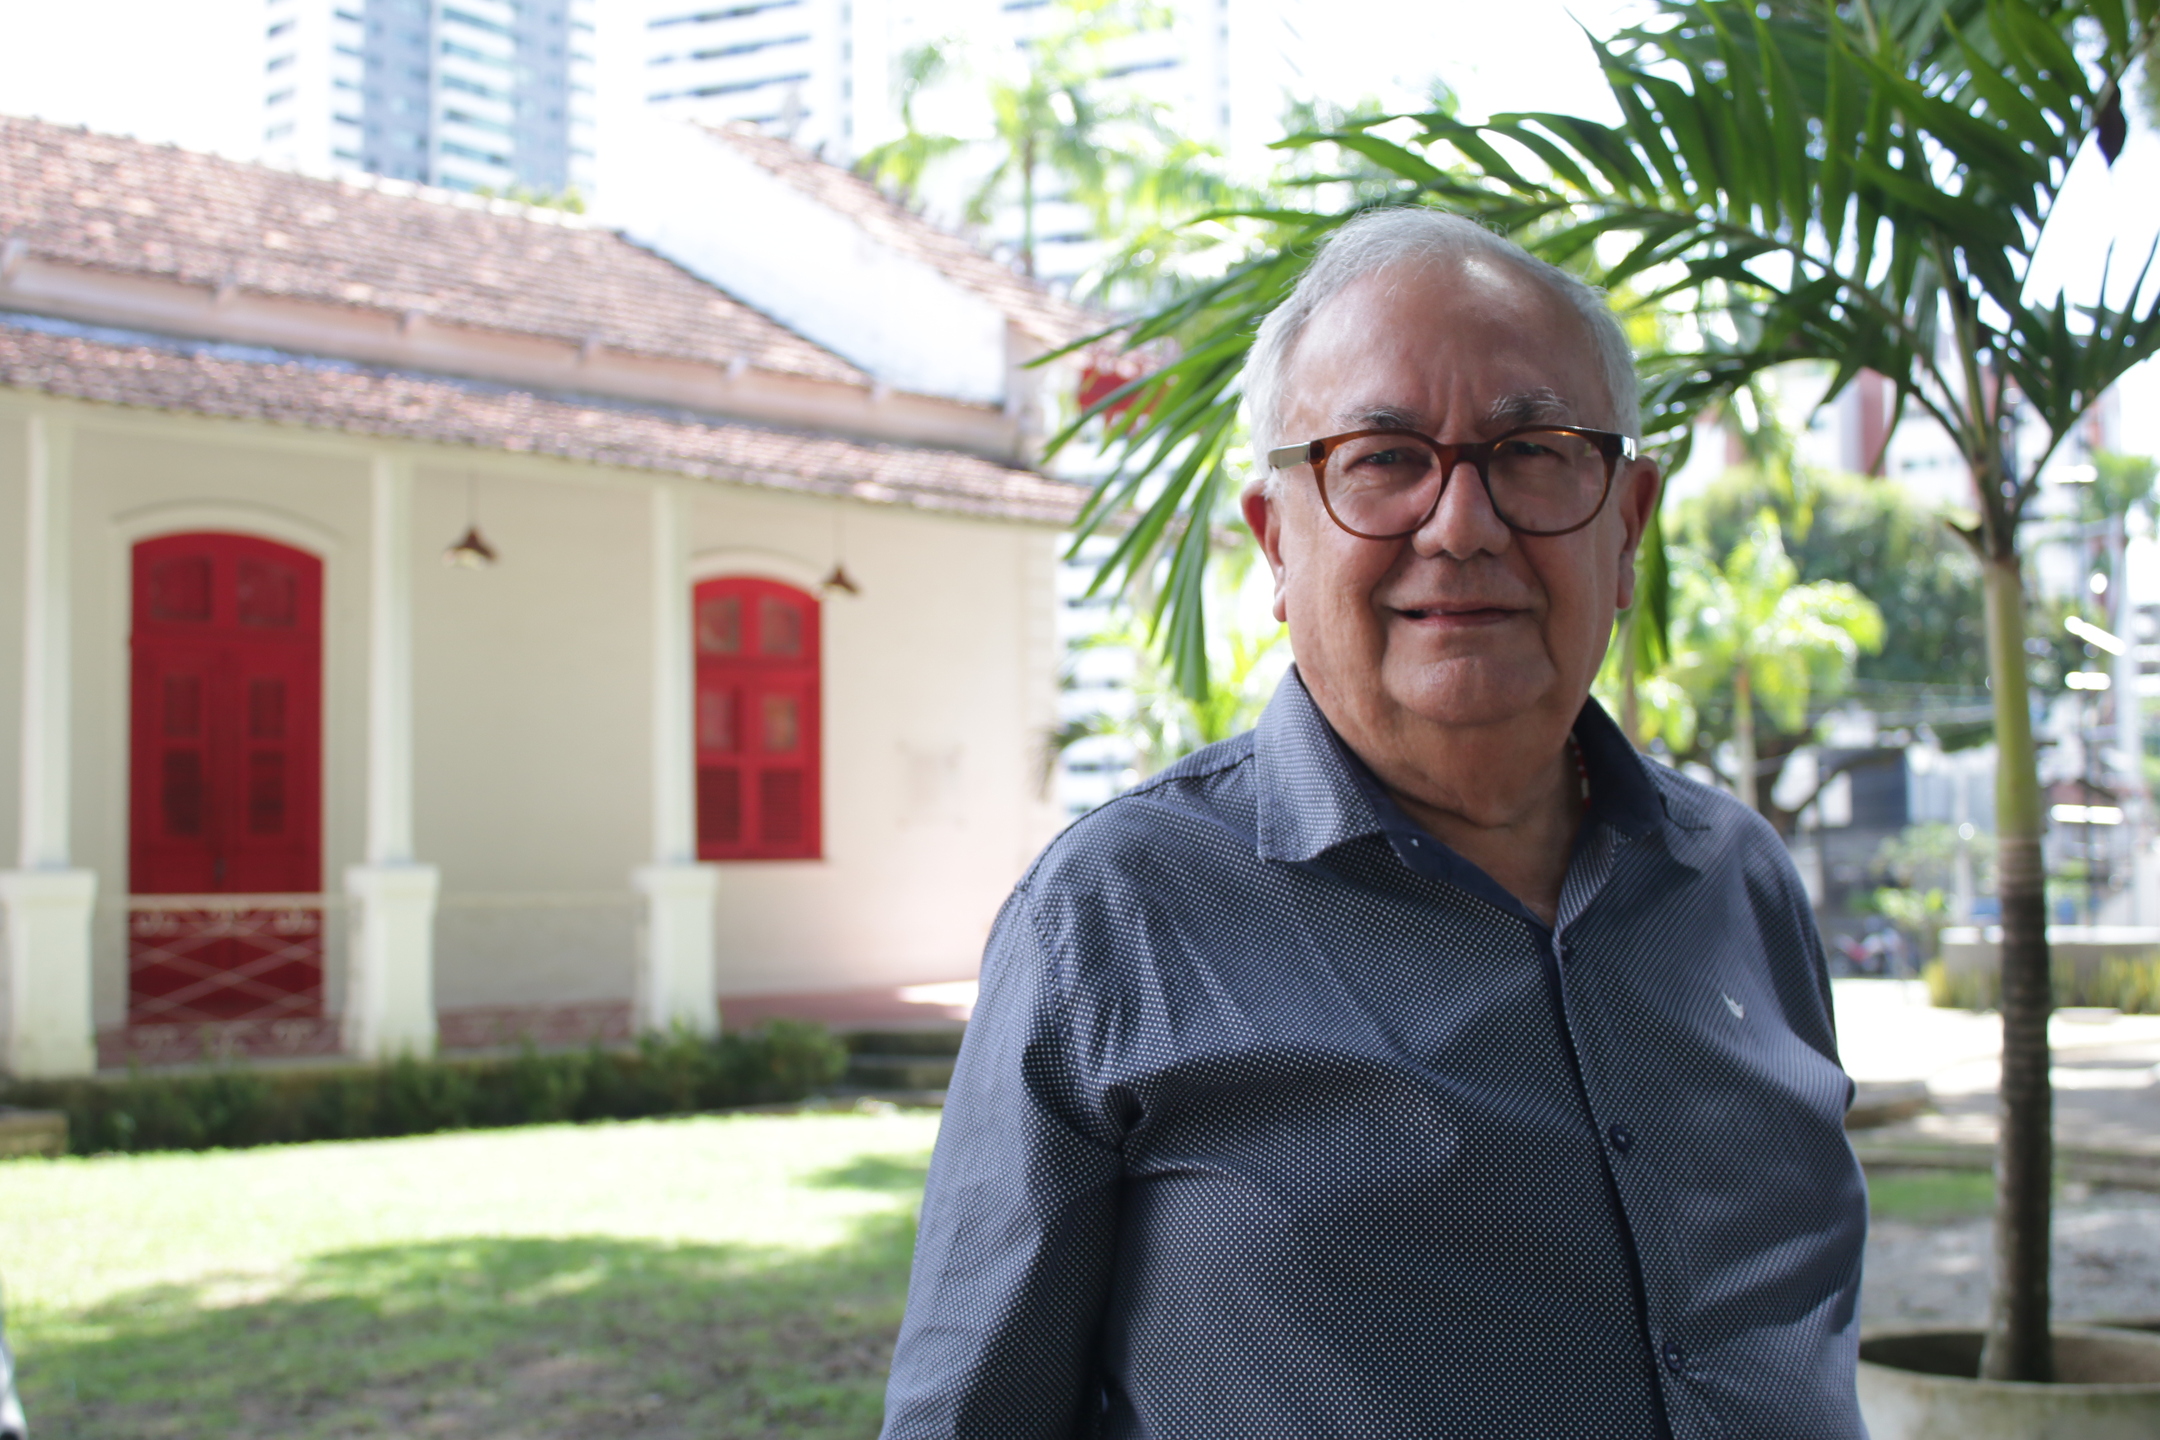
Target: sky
{"points": [[186, 72]]}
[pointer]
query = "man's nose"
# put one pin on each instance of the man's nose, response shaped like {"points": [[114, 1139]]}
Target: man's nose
{"points": [[1464, 523]]}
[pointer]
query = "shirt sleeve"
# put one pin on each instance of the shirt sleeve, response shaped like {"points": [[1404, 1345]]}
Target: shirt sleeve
{"points": [[1013, 1257]]}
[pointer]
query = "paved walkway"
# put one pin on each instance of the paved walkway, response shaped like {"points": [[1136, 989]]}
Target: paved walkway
{"points": [[939, 1005], [2107, 1263], [2106, 1071]]}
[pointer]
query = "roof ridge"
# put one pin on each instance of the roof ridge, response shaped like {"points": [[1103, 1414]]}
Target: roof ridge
{"points": [[1025, 300]]}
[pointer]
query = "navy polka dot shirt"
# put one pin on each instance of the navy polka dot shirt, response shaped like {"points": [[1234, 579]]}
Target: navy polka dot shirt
{"points": [[1278, 1119]]}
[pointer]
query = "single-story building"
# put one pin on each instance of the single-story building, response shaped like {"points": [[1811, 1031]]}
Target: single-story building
{"points": [[738, 681]]}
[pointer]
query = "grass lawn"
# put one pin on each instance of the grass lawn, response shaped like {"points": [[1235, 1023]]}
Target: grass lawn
{"points": [[1928, 1197], [708, 1276]]}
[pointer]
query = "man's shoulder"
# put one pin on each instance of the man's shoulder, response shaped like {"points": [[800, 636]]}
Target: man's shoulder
{"points": [[1202, 801]]}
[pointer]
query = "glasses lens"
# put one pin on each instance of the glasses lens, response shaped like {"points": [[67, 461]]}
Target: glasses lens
{"points": [[1382, 484], [1547, 479]]}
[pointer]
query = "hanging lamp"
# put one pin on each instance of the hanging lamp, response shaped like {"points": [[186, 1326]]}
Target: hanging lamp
{"points": [[471, 550], [839, 582]]}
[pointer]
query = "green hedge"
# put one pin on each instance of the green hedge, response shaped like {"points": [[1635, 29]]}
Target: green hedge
{"points": [[660, 1075], [2130, 984]]}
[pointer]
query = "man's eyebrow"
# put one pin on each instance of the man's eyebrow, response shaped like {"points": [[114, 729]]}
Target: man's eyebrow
{"points": [[1519, 407], [1530, 407], [1380, 417]]}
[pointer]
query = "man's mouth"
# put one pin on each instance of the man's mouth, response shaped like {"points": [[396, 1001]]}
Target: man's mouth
{"points": [[1458, 614]]}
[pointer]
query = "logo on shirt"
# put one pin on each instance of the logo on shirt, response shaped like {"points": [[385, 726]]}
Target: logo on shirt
{"points": [[1739, 1011]]}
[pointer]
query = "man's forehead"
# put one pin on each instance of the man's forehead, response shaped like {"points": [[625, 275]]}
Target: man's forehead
{"points": [[1444, 341]]}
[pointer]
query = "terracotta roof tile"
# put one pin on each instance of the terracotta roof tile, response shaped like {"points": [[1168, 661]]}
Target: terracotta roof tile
{"points": [[1050, 318], [226, 381], [122, 205]]}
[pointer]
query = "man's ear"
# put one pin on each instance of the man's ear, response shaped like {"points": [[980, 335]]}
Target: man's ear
{"points": [[1266, 524], [1636, 499]]}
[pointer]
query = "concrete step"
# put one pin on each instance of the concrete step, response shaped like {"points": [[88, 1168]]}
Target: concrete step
{"points": [[32, 1132]]}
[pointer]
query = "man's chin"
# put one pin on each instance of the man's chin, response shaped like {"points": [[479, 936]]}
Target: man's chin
{"points": [[1472, 692]]}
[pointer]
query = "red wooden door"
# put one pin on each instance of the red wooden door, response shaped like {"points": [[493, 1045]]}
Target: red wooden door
{"points": [[225, 785], [758, 752]]}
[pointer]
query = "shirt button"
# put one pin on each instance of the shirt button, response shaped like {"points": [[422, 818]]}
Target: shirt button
{"points": [[1623, 1140], [1675, 1357]]}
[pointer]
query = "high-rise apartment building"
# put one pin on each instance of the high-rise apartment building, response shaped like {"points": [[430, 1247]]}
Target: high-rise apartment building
{"points": [[815, 71], [823, 71], [491, 95]]}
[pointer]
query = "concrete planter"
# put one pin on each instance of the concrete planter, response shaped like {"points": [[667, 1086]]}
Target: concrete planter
{"points": [[1919, 1385]]}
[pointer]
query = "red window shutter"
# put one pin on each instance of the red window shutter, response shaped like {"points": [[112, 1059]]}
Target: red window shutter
{"points": [[758, 721]]}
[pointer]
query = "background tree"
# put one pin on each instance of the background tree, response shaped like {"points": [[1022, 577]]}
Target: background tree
{"points": [[1929, 668], [1864, 185], [1161, 722], [1058, 128], [1874, 535], [901, 164], [1746, 632]]}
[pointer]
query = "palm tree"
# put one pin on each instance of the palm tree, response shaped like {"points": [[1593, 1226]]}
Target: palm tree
{"points": [[1863, 183], [1746, 622], [900, 164], [1059, 129]]}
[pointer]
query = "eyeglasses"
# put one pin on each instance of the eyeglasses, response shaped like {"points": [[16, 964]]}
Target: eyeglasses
{"points": [[1385, 484]]}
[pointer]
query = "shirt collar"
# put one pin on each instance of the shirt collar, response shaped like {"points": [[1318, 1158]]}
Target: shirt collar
{"points": [[1315, 794]]}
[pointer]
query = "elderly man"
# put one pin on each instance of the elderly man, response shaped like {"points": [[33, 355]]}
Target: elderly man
{"points": [[1423, 1063]]}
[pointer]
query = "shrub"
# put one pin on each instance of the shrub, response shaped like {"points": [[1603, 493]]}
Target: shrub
{"points": [[2130, 984], [233, 1107]]}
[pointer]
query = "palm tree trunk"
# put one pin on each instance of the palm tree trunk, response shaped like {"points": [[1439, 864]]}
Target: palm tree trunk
{"points": [[2018, 1344], [1027, 207], [1744, 734]]}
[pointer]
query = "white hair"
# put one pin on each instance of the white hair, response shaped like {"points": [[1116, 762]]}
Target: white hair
{"points": [[1378, 240]]}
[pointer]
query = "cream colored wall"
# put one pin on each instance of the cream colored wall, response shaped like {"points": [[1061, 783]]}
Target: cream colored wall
{"points": [[533, 690], [939, 688], [530, 685]]}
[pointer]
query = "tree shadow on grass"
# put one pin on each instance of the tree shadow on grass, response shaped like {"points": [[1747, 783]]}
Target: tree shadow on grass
{"points": [[495, 1338], [892, 1174]]}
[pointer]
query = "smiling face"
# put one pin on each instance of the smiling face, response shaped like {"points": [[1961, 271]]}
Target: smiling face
{"points": [[1464, 626]]}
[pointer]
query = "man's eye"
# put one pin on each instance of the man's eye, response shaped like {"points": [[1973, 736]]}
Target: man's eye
{"points": [[1526, 449], [1386, 459]]}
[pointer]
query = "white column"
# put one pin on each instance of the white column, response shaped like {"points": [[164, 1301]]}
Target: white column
{"points": [[390, 996], [50, 1026], [676, 984]]}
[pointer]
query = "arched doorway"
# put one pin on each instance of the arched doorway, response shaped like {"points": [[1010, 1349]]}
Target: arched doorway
{"points": [[758, 745], [225, 785]]}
